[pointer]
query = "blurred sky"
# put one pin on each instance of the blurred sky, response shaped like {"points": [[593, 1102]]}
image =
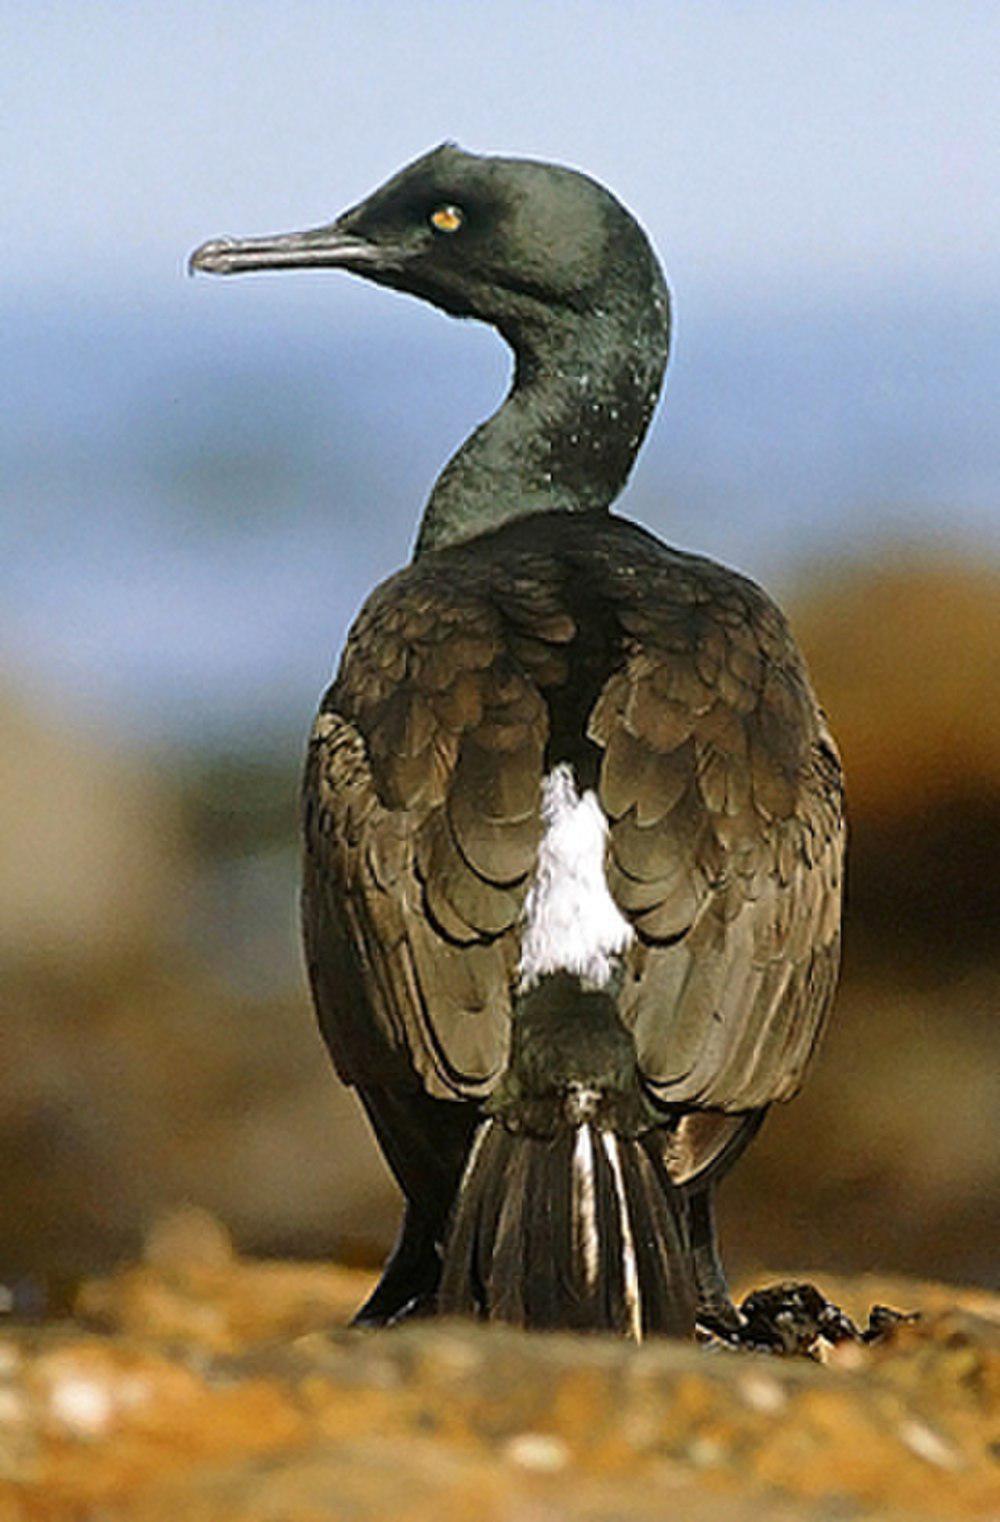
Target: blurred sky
{"points": [[200, 480]]}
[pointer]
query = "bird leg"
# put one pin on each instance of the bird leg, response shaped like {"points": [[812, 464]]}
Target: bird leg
{"points": [[409, 1280], [716, 1314]]}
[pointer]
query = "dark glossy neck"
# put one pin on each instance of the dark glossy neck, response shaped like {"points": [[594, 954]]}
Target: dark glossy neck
{"points": [[564, 440]]}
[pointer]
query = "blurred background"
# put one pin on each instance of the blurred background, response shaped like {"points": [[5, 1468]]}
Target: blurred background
{"points": [[200, 481]]}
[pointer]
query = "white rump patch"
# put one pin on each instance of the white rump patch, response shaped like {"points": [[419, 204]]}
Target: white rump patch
{"points": [[571, 922]]}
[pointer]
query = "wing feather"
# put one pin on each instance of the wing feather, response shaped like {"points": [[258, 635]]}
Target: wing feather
{"points": [[723, 792], [421, 822]]}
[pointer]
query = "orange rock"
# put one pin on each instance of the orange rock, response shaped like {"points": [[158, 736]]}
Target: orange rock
{"points": [[150, 1422], [193, 1290]]}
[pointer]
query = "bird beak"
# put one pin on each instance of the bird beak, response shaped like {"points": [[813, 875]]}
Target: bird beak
{"points": [[328, 247]]}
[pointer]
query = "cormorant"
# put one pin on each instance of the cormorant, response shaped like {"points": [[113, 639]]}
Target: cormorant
{"points": [[572, 814]]}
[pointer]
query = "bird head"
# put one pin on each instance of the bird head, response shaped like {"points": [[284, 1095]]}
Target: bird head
{"points": [[500, 239]]}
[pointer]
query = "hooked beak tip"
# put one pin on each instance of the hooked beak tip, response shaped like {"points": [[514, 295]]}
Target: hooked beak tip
{"points": [[212, 258]]}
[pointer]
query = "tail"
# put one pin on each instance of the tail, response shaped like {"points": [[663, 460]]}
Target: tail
{"points": [[566, 1215], [579, 1229]]}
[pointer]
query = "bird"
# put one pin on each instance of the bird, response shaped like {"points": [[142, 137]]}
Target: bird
{"points": [[572, 815]]}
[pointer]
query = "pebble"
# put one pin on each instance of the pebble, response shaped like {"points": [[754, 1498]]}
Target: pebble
{"points": [[706, 1453], [81, 1404], [537, 1451], [763, 1394], [929, 1445]]}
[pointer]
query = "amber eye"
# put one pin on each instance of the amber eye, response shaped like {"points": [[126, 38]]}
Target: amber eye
{"points": [[447, 219]]}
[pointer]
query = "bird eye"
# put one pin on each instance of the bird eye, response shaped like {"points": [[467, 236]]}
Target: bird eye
{"points": [[447, 219]]}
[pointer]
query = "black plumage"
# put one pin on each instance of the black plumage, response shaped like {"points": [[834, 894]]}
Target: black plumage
{"points": [[558, 1142]]}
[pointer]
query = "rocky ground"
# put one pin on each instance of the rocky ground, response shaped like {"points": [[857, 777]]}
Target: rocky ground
{"points": [[202, 1386]]}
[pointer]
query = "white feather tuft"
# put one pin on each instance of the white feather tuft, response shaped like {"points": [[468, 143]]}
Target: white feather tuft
{"points": [[571, 922]]}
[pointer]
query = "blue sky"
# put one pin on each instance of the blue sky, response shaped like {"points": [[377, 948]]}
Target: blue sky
{"points": [[763, 143], [199, 480]]}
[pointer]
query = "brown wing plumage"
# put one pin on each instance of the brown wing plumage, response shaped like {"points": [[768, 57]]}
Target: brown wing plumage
{"points": [[421, 809], [722, 785], [460, 683]]}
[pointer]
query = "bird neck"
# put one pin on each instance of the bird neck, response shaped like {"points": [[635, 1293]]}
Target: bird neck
{"points": [[584, 390]]}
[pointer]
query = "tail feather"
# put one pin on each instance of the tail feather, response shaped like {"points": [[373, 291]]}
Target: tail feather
{"points": [[667, 1296], [611, 1307], [630, 1301], [583, 1209], [506, 1280], [581, 1229]]}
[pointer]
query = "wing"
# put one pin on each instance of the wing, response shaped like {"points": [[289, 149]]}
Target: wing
{"points": [[461, 681], [421, 827], [722, 785]]}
